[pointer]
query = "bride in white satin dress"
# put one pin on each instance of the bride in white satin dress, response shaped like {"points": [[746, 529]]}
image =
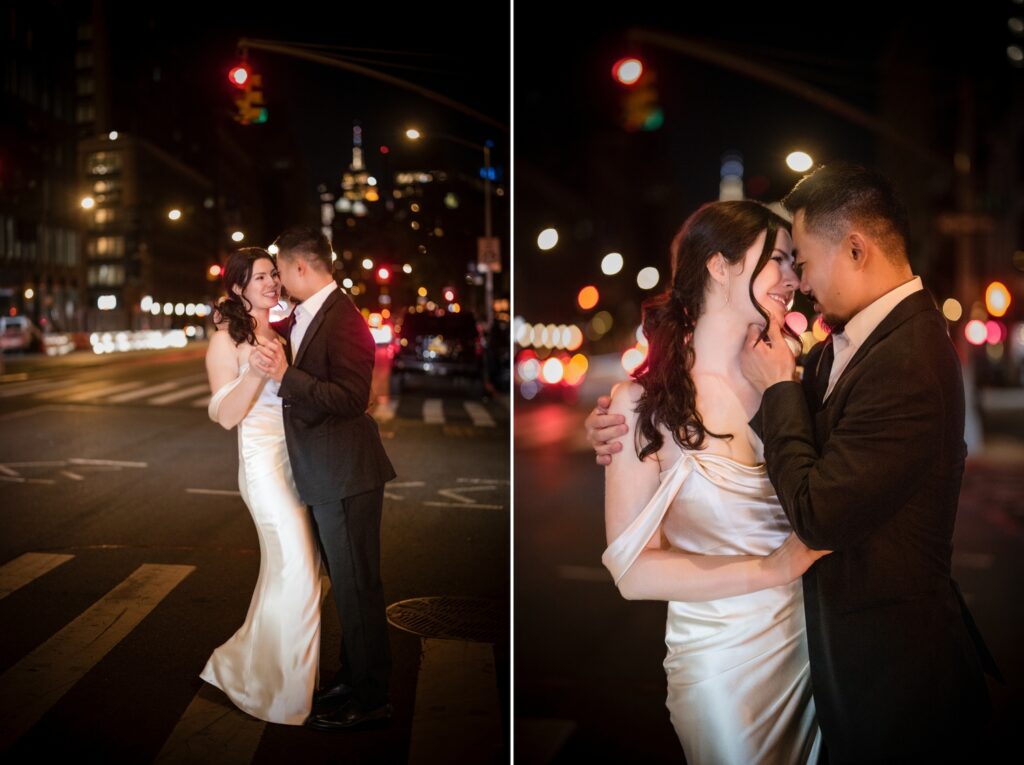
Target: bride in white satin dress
{"points": [[269, 667], [691, 516]]}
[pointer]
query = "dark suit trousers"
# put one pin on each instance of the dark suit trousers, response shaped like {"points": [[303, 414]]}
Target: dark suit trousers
{"points": [[349, 531]]}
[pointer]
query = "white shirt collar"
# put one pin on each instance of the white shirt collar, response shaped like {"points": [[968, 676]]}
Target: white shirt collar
{"points": [[867, 320], [313, 303]]}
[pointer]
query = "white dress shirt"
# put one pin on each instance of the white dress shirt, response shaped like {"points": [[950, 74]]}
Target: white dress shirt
{"points": [[304, 313], [846, 343]]}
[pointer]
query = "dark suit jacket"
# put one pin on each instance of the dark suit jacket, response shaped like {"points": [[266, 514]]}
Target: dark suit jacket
{"points": [[874, 475], [333, 443]]}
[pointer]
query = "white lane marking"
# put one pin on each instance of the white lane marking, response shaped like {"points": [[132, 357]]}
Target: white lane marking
{"points": [[481, 417], [212, 730], [7, 471], [433, 411], [142, 392], [37, 682], [108, 463], [585, 574], [489, 481], [190, 392], [457, 494], [456, 690], [100, 394], [16, 573], [26, 480], [80, 388], [400, 485], [72, 476], [214, 492], [26, 389]]}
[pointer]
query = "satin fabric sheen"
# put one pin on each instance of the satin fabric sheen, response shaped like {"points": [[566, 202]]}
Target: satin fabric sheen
{"points": [[269, 667], [738, 678]]}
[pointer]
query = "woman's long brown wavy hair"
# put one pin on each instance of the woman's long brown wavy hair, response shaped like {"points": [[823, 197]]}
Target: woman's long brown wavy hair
{"points": [[233, 310], [669, 318]]}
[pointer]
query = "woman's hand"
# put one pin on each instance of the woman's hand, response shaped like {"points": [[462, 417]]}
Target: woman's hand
{"points": [[792, 558], [270, 359]]}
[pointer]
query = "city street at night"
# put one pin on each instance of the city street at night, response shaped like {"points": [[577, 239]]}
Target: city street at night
{"points": [[129, 555]]}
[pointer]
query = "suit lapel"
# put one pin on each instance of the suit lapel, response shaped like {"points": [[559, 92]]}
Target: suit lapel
{"points": [[909, 307], [314, 325]]}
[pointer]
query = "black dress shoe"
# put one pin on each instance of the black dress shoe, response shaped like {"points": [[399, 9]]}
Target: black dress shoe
{"points": [[336, 694], [350, 716]]}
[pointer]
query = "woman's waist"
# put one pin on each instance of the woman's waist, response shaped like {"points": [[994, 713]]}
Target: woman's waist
{"points": [[731, 630], [696, 621]]}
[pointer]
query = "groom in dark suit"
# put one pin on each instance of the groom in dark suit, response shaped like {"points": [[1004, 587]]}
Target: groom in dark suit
{"points": [[867, 455], [339, 464]]}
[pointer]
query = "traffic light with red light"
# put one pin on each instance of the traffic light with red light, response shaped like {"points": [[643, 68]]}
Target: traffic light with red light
{"points": [[640, 107], [249, 99], [239, 76]]}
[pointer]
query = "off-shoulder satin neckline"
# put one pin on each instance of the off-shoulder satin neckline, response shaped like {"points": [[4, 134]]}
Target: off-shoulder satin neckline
{"points": [[760, 467]]}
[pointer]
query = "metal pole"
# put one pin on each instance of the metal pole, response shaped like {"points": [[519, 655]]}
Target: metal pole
{"points": [[489, 288]]}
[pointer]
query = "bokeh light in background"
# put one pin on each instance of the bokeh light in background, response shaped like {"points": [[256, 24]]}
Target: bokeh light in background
{"points": [[995, 332], [552, 371], [952, 309], [632, 358], [588, 297], [611, 263], [997, 299], [648, 278], [797, 322], [576, 369], [547, 239], [976, 332], [799, 161]]}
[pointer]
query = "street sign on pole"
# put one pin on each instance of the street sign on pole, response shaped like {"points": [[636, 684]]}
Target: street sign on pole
{"points": [[488, 252]]}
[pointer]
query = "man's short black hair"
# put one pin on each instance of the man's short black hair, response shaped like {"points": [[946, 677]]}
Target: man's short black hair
{"points": [[307, 243], [841, 195]]}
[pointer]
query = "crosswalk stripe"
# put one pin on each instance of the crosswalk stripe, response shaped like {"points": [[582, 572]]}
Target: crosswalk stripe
{"points": [[142, 392], [25, 568], [33, 685], [456, 691], [433, 411], [25, 389], [190, 392], [80, 388], [212, 731], [95, 394], [481, 417]]}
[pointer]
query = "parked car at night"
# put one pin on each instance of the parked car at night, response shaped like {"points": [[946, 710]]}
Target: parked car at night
{"points": [[447, 346]]}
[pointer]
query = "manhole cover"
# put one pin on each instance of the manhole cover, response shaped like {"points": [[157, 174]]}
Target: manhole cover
{"points": [[450, 618]]}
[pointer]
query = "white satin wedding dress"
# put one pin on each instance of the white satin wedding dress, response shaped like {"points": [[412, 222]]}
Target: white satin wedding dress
{"points": [[269, 667], [739, 687]]}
